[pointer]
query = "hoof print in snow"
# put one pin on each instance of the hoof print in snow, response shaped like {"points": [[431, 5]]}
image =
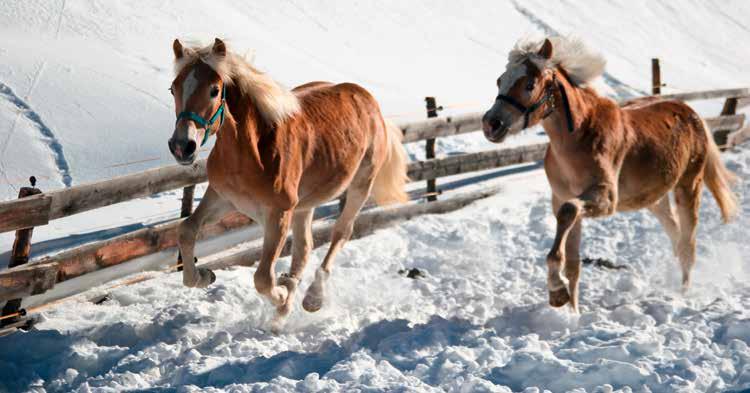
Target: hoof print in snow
{"points": [[101, 299], [413, 273], [603, 263]]}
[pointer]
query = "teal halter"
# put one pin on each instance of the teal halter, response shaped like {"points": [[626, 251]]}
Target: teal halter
{"points": [[206, 124]]}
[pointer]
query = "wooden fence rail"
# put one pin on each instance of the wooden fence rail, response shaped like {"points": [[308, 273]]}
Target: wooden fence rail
{"points": [[41, 275], [40, 209]]}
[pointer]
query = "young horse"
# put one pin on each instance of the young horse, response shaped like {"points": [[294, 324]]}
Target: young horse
{"points": [[603, 158], [278, 155]]}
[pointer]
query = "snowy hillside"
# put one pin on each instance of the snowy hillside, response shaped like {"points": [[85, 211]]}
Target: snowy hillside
{"points": [[83, 90], [83, 84]]}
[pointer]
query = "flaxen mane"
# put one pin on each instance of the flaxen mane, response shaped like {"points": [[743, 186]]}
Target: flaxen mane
{"points": [[582, 64], [275, 103]]}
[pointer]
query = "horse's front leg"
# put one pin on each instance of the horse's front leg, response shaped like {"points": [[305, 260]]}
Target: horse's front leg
{"points": [[599, 200], [211, 208], [276, 226]]}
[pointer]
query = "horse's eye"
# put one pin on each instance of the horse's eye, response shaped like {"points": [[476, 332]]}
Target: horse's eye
{"points": [[530, 85], [214, 91], [171, 90]]}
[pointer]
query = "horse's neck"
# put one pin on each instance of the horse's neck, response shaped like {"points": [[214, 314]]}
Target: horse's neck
{"points": [[247, 134], [579, 104]]}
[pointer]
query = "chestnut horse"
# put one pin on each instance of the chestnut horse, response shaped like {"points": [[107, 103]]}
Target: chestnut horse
{"points": [[603, 158], [278, 155]]}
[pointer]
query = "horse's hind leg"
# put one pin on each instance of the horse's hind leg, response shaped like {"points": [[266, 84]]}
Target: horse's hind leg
{"points": [[211, 208], [665, 214], [356, 196], [302, 244], [688, 200]]}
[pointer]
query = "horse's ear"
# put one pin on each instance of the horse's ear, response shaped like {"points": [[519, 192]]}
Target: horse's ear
{"points": [[546, 50], [219, 48], [177, 48]]}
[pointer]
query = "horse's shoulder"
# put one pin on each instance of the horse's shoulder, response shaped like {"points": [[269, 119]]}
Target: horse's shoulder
{"points": [[607, 112]]}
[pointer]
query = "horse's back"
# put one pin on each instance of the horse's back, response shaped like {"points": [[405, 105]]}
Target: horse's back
{"points": [[342, 126]]}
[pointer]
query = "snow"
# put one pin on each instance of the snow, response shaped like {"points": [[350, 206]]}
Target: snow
{"points": [[84, 83], [83, 88], [477, 321]]}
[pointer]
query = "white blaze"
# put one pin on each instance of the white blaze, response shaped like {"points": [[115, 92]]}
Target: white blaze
{"points": [[188, 87]]}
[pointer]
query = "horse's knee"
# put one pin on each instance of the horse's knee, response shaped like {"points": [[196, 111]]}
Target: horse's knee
{"points": [[344, 232], [186, 232], [567, 213], [603, 205], [555, 258]]}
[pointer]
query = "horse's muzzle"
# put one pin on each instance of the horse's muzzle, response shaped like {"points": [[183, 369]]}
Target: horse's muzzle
{"points": [[494, 129], [184, 151]]}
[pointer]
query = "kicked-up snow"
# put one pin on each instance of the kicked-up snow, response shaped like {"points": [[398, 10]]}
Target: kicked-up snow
{"points": [[477, 321]]}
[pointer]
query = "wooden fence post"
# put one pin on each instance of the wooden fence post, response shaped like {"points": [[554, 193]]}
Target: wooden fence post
{"points": [[722, 136], [432, 111], [185, 211], [655, 77], [20, 254], [187, 201]]}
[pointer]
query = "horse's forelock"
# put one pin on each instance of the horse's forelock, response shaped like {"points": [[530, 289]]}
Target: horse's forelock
{"points": [[581, 63], [274, 103]]}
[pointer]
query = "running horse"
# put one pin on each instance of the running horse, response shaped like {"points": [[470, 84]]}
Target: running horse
{"points": [[603, 158], [278, 155]]}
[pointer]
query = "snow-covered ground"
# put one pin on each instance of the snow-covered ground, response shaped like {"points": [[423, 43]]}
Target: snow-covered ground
{"points": [[478, 321], [83, 90]]}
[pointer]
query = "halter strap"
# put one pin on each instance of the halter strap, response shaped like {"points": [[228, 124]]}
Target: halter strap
{"points": [[206, 124], [566, 105], [548, 95]]}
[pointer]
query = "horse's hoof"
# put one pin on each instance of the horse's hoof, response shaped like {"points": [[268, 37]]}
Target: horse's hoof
{"points": [[206, 277], [313, 300], [290, 283], [312, 303], [278, 296], [559, 298]]}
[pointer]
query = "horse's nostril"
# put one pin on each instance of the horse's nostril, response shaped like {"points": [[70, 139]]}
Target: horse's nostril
{"points": [[496, 123], [190, 148]]}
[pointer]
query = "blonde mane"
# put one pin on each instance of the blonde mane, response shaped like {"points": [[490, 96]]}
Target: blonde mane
{"points": [[582, 64], [275, 103]]}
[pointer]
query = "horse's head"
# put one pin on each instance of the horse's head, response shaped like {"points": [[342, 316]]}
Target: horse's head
{"points": [[525, 95], [199, 101]]}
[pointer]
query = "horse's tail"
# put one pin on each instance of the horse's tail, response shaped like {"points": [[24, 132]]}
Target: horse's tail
{"points": [[390, 181], [719, 179]]}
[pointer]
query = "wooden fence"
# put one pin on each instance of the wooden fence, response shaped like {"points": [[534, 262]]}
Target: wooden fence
{"points": [[25, 278]]}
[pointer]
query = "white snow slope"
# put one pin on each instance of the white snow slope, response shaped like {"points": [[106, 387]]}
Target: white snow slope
{"points": [[83, 83], [83, 87]]}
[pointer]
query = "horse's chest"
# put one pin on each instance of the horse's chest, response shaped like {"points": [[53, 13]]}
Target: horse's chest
{"points": [[244, 192], [567, 178]]}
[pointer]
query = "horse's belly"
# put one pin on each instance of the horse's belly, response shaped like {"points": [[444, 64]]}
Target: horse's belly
{"points": [[646, 178], [322, 184]]}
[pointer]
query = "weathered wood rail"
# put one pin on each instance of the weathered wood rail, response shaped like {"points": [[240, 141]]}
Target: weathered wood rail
{"points": [[41, 275], [40, 209]]}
